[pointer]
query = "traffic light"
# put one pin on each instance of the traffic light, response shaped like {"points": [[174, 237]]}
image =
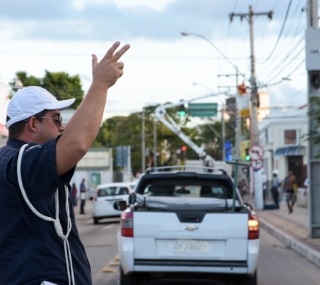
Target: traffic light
{"points": [[242, 89], [184, 148], [182, 110], [247, 154]]}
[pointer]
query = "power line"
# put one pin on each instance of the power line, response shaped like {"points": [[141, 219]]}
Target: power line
{"points": [[275, 5], [228, 34], [283, 117], [284, 67], [283, 59], [296, 67], [280, 107], [283, 25], [293, 95], [235, 5], [263, 33], [289, 45], [244, 41], [294, 19], [255, 5], [133, 56]]}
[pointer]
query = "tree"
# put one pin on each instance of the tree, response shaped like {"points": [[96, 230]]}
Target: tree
{"points": [[314, 113], [60, 84], [120, 131], [211, 136]]}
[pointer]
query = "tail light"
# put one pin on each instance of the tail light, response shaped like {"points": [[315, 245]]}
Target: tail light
{"points": [[127, 224], [253, 227]]}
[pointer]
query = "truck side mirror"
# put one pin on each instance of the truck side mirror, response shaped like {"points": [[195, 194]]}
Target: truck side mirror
{"points": [[249, 206], [120, 205], [132, 198]]}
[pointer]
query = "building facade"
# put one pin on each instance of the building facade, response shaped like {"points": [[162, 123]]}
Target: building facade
{"points": [[283, 137]]}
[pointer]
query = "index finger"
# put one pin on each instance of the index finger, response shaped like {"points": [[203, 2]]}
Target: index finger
{"points": [[120, 52], [111, 50]]}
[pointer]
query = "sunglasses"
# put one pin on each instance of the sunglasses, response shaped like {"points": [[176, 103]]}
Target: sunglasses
{"points": [[57, 120]]}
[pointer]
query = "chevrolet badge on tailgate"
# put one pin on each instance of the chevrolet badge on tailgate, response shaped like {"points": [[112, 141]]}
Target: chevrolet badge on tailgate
{"points": [[191, 228]]}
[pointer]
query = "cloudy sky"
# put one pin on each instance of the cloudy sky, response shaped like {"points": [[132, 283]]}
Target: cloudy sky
{"points": [[161, 65]]}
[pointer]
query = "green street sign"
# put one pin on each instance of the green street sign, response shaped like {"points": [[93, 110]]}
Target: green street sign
{"points": [[203, 109]]}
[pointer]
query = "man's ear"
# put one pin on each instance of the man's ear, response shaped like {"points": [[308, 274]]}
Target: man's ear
{"points": [[32, 124]]}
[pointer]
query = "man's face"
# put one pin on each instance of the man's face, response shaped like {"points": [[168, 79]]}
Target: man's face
{"points": [[290, 172], [50, 127]]}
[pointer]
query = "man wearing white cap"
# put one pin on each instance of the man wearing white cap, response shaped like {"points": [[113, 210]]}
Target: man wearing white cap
{"points": [[39, 241]]}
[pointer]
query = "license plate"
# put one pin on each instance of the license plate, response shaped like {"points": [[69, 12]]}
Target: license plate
{"points": [[190, 246]]}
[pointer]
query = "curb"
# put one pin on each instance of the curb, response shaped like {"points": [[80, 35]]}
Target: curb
{"points": [[297, 246]]}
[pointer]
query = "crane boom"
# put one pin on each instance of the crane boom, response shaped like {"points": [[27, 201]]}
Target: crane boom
{"points": [[162, 115]]}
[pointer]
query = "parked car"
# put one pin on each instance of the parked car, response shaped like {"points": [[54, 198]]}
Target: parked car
{"points": [[92, 191], [106, 195], [187, 225]]}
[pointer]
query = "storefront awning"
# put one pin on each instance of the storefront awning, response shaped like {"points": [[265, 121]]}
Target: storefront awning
{"points": [[290, 151]]}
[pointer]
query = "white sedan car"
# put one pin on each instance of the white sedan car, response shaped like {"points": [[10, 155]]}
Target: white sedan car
{"points": [[106, 195]]}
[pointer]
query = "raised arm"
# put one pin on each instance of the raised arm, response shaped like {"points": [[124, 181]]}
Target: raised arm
{"points": [[83, 127]]}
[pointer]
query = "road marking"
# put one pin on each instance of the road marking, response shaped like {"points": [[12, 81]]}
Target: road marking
{"points": [[108, 227], [113, 264], [108, 270], [101, 271]]}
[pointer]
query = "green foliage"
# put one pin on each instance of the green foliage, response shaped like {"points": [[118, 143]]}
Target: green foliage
{"points": [[314, 113], [60, 84], [26, 80], [211, 136], [121, 131]]}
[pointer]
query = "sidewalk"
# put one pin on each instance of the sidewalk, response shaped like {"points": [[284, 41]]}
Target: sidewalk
{"points": [[292, 229]]}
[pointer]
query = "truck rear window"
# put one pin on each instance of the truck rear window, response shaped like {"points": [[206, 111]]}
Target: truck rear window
{"points": [[185, 191]]}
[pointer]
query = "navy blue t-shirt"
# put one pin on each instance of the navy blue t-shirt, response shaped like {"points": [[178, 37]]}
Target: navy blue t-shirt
{"points": [[30, 250]]}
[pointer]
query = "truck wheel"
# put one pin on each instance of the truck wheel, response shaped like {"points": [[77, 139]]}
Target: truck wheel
{"points": [[126, 279], [95, 220], [251, 280]]}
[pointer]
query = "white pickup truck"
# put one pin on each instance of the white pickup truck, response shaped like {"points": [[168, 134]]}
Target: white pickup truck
{"points": [[187, 225]]}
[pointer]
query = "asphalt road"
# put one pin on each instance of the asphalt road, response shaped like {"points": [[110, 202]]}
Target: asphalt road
{"points": [[277, 264]]}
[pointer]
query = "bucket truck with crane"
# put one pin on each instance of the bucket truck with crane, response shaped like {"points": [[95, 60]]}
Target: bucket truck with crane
{"points": [[162, 115]]}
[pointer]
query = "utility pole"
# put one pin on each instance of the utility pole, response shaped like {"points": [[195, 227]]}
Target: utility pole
{"points": [[312, 66], [258, 194], [238, 119], [143, 143], [223, 137], [154, 142]]}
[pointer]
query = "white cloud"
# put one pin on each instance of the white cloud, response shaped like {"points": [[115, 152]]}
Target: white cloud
{"points": [[158, 5], [161, 64]]}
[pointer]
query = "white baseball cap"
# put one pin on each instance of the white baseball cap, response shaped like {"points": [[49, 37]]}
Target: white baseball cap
{"points": [[32, 100]]}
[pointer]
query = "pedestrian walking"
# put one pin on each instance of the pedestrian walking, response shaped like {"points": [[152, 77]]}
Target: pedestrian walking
{"points": [[73, 195], [39, 240], [83, 196], [290, 188], [264, 185], [275, 187]]}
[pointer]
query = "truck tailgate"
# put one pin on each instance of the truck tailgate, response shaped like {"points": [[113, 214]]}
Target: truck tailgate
{"points": [[162, 235]]}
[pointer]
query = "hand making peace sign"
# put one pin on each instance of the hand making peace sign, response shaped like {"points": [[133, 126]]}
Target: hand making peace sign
{"points": [[109, 69]]}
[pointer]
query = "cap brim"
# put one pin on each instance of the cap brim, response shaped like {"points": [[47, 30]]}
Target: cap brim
{"points": [[61, 105]]}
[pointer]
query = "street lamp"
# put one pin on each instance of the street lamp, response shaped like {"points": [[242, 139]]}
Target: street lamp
{"points": [[238, 120], [211, 43], [208, 88]]}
